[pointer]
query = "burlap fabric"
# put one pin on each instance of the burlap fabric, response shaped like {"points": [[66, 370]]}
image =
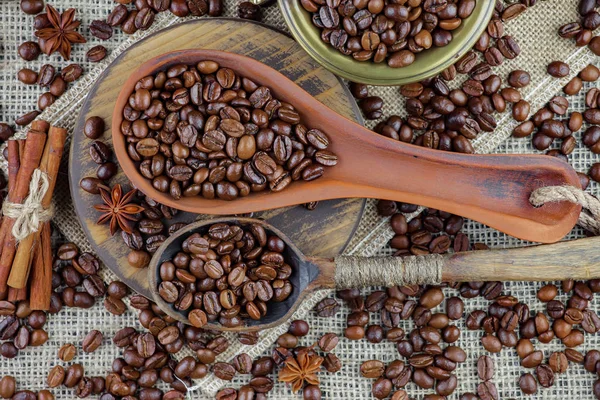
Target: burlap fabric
{"points": [[536, 33]]}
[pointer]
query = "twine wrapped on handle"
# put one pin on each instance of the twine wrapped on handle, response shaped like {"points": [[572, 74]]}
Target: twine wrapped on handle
{"points": [[589, 219], [30, 214], [351, 272]]}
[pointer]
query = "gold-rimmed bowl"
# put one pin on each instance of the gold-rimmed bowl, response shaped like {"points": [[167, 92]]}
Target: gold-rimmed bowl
{"points": [[427, 64]]}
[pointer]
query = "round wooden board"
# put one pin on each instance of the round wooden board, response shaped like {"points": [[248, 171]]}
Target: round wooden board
{"points": [[324, 231]]}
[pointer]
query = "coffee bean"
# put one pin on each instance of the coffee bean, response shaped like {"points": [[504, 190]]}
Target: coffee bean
{"points": [[94, 127], [117, 16], [67, 352], [528, 384], [92, 341], [27, 76], [71, 73], [72, 375], [372, 369], [558, 69], [545, 375], [8, 386], [27, 118], [485, 368], [114, 306], [29, 51], [328, 342], [519, 78], [487, 391], [101, 29], [96, 53]]}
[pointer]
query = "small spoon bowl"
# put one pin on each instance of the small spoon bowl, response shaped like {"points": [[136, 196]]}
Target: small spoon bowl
{"points": [[303, 274], [492, 189]]}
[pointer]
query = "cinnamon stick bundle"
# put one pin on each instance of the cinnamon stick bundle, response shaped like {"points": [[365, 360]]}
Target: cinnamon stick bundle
{"points": [[28, 247], [30, 160]]}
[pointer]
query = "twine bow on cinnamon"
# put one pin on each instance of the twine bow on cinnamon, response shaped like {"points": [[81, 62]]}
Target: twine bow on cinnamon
{"points": [[589, 219], [30, 214]]}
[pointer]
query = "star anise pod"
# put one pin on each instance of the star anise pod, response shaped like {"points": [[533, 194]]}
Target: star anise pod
{"points": [[118, 209], [61, 33], [303, 368]]}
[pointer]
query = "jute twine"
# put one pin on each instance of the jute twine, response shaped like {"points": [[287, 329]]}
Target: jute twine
{"points": [[351, 272], [30, 214], [589, 219]]}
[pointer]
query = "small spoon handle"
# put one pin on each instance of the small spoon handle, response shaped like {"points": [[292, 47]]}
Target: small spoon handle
{"points": [[577, 259]]}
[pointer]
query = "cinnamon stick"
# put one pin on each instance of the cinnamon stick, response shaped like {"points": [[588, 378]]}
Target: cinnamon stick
{"points": [[15, 295], [49, 164], [40, 287], [30, 160], [14, 163]]}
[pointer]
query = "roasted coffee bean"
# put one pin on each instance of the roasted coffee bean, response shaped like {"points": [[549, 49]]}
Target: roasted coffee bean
{"points": [[94, 127], [519, 79], [92, 341], [8, 386], [117, 16], [485, 368], [372, 369], [71, 72], [29, 51], [101, 29], [114, 306], [558, 69], [528, 384], [27, 76], [67, 352], [73, 375], [96, 53], [545, 375]]}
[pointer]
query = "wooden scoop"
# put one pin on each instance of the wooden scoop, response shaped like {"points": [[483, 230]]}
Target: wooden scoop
{"points": [[492, 189], [567, 260]]}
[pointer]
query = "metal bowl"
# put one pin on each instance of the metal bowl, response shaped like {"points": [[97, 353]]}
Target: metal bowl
{"points": [[427, 64]]}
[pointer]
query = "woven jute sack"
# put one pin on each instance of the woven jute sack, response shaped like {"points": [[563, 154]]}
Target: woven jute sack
{"points": [[535, 32]]}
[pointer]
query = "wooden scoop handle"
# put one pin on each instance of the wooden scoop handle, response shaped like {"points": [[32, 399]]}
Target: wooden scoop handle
{"points": [[492, 189], [577, 259]]}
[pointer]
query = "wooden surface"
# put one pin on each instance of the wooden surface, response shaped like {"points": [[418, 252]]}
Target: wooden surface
{"points": [[492, 189], [324, 231]]}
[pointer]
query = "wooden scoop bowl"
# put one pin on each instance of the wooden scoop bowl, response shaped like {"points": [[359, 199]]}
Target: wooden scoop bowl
{"points": [[567, 260], [492, 189]]}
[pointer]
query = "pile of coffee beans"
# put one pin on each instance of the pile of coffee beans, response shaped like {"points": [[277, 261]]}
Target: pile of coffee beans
{"points": [[142, 15], [287, 347], [75, 283], [507, 323], [583, 31], [226, 274], [431, 231], [48, 78], [8, 390], [387, 31], [205, 130]]}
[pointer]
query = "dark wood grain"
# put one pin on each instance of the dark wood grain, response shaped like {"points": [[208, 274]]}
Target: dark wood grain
{"points": [[322, 232]]}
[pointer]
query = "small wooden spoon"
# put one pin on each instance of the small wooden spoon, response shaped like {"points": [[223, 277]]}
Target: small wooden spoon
{"points": [[567, 260], [492, 189]]}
